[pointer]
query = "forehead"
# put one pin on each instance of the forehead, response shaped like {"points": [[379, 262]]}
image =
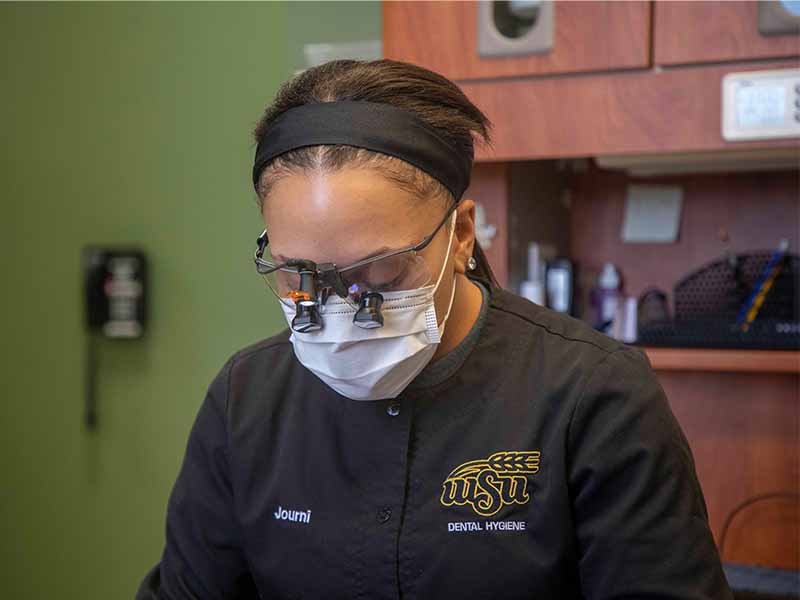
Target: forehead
{"points": [[343, 216]]}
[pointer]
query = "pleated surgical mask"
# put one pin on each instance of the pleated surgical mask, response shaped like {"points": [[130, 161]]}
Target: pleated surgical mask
{"points": [[373, 364]]}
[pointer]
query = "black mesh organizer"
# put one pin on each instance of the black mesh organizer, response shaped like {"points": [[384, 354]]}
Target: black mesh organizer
{"points": [[707, 303]]}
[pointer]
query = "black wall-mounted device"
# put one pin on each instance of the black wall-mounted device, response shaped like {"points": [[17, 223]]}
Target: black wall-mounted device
{"points": [[115, 285], [115, 304]]}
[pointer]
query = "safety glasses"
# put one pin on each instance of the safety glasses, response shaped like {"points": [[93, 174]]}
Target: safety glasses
{"points": [[306, 282]]}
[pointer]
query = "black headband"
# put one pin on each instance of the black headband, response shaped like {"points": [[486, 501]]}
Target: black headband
{"points": [[371, 125]]}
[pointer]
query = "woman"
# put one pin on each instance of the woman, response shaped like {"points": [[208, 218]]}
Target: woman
{"points": [[418, 432]]}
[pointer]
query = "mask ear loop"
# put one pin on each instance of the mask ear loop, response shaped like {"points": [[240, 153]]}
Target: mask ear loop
{"points": [[441, 273]]}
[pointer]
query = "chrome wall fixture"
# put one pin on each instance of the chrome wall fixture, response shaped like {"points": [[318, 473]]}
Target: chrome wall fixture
{"points": [[776, 17], [515, 27]]}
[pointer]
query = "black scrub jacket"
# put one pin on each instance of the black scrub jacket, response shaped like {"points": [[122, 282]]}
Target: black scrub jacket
{"points": [[550, 466]]}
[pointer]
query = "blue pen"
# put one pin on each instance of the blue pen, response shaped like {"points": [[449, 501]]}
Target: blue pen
{"points": [[776, 256]]}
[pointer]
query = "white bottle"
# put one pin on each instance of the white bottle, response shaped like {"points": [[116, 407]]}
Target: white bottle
{"points": [[533, 288], [630, 320], [607, 298]]}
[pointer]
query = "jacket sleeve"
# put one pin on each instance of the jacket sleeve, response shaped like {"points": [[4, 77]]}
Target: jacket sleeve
{"points": [[639, 512], [203, 557]]}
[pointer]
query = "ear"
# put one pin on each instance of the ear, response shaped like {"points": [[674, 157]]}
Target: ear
{"points": [[464, 234]]}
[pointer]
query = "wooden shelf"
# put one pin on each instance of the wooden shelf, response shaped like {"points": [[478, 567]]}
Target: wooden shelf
{"points": [[740, 361]]}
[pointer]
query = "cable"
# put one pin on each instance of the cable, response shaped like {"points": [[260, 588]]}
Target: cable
{"points": [[744, 504], [90, 383]]}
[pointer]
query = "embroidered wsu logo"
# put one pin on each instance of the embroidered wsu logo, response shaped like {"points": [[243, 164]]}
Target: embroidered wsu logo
{"points": [[489, 484]]}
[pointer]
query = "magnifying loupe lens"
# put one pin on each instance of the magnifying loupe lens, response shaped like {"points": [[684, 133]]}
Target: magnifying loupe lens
{"points": [[307, 319], [369, 314], [401, 272]]}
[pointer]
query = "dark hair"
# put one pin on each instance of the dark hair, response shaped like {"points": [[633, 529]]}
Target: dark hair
{"points": [[433, 98]]}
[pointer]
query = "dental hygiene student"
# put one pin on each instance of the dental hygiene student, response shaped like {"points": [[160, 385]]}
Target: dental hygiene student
{"points": [[416, 431]]}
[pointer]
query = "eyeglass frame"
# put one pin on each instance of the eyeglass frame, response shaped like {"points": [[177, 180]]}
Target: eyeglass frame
{"points": [[300, 264]]}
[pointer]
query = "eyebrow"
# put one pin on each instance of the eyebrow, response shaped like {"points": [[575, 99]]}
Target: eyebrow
{"points": [[383, 249], [377, 252]]}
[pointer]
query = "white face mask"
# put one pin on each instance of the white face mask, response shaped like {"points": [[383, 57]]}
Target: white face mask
{"points": [[372, 364]]}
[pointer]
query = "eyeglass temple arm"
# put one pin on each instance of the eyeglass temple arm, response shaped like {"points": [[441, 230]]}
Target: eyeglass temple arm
{"points": [[262, 242], [416, 248]]}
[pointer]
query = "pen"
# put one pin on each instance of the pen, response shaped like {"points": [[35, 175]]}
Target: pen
{"points": [[750, 308]]}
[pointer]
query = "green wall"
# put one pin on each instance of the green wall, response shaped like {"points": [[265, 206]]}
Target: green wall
{"points": [[331, 23], [126, 124]]}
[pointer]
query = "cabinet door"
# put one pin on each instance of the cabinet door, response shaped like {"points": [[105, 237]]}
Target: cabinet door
{"points": [[694, 32], [632, 112], [588, 36]]}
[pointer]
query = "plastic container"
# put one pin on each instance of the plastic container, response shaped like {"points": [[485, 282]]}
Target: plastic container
{"points": [[606, 298], [533, 287]]}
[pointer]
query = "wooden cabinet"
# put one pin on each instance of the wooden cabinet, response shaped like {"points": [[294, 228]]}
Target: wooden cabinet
{"points": [[589, 36], [694, 32], [743, 433], [597, 93], [638, 112]]}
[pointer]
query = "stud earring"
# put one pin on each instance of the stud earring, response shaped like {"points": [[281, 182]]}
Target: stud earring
{"points": [[471, 263]]}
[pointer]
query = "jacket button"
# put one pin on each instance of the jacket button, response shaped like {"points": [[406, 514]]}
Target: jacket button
{"points": [[384, 514], [393, 410]]}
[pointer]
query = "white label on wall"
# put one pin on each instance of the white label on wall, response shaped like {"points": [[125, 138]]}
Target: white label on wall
{"points": [[652, 213]]}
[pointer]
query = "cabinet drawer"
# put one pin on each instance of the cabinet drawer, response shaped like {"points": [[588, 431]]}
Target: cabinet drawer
{"points": [[588, 36], [632, 112], [694, 32]]}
